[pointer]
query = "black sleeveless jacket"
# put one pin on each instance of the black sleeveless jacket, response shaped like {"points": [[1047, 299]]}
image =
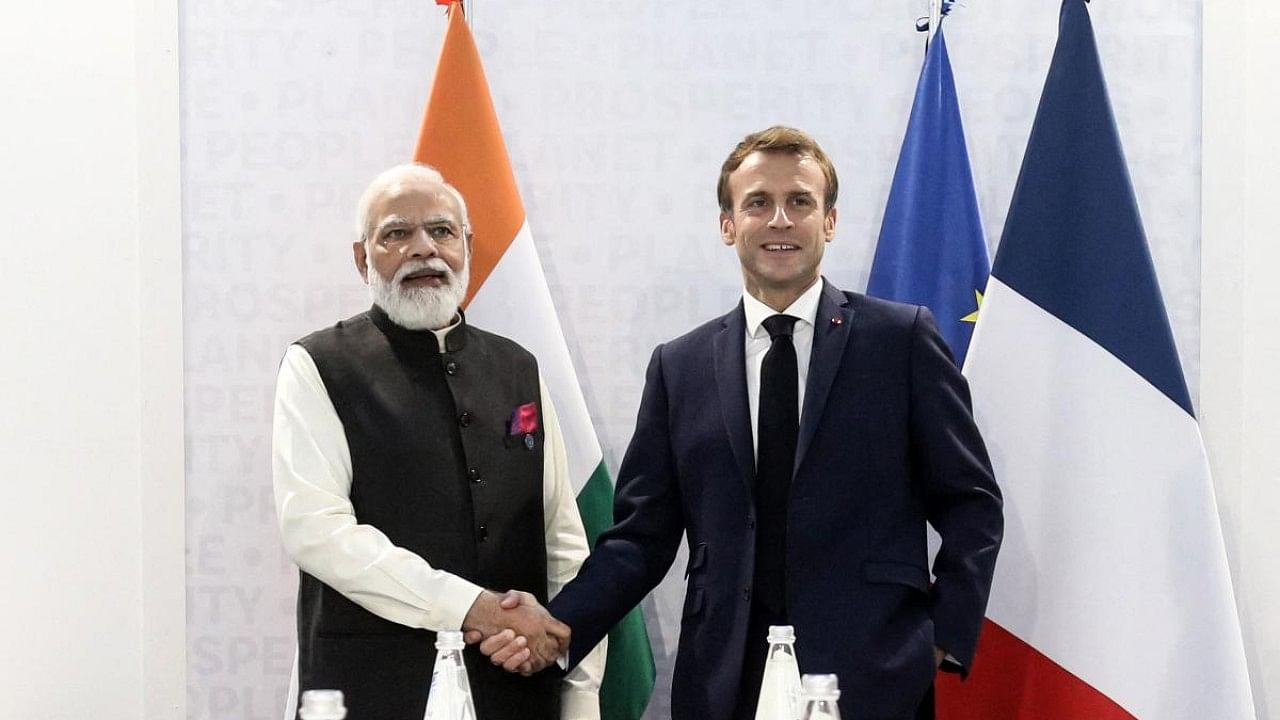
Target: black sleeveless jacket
{"points": [[437, 468]]}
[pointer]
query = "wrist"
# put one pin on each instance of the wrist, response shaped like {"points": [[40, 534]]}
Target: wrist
{"points": [[483, 615]]}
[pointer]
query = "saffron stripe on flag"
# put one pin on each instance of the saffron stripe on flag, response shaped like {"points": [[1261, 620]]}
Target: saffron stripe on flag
{"points": [[461, 137]]}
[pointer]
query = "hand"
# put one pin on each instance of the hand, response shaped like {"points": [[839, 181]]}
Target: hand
{"points": [[513, 652], [938, 656], [518, 633]]}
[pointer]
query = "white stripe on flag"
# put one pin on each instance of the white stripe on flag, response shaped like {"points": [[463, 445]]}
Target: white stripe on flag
{"points": [[1112, 563], [516, 303]]}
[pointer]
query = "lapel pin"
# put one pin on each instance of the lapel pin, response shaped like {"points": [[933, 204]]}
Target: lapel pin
{"points": [[837, 321]]}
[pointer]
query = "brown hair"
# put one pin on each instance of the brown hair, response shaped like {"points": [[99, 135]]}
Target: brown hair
{"points": [[779, 139]]}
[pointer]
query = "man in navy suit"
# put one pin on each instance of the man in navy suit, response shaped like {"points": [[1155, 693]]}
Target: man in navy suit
{"points": [[802, 441]]}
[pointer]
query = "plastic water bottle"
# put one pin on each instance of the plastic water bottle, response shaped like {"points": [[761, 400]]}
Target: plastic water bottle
{"points": [[819, 694], [780, 687], [322, 705], [450, 697]]}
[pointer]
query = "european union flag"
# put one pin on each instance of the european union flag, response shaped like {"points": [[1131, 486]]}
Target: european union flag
{"points": [[932, 250]]}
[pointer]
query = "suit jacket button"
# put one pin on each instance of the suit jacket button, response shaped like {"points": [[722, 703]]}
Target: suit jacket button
{"points": [[746, 594], [751, 523], [474, 474], [451, 368], [464, 419], [483, 534]]}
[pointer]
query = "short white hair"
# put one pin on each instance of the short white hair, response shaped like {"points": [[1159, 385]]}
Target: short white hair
{"points": [[397, 174]]}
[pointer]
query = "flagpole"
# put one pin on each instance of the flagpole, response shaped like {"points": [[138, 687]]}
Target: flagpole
{"points": [[935, 17]]}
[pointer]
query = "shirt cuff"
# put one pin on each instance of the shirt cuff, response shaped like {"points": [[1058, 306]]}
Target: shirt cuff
{"points": [[578, 704], [455, 602]]}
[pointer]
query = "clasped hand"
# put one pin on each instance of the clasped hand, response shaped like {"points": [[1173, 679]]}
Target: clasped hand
{"points": [[514, 631]]}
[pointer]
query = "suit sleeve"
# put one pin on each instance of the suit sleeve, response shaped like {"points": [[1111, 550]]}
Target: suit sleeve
{"points": [[633, 556], [962, 499]]}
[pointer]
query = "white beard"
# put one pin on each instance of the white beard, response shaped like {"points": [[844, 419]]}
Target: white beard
{"points": [[425, 308]]}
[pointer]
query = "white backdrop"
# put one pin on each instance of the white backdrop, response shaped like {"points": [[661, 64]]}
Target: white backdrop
{"points": [[617, 117]]}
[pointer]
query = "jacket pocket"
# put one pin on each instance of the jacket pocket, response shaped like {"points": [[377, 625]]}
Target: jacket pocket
{"points": [[697, 558], [900, 573], [693, 600]]}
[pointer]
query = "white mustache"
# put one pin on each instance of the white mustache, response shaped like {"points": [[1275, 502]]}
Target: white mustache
{"points": [[413, 266]]}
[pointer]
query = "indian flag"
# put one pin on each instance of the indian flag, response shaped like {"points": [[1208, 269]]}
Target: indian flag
{"points": [[509, 295]]}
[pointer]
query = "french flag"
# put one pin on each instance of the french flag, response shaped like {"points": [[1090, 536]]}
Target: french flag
{"points": [[1112, 597]]}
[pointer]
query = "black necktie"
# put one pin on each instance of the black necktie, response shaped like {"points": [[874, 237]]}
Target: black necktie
{"points": [[776, 433]]}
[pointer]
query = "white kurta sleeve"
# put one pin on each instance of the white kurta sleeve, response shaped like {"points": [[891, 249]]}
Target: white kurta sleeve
{"points": [[311, 472], [566, 551]]}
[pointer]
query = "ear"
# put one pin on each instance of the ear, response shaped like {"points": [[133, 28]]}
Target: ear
{"points": [[469, 242], [361, 258], [726, 228], [829, 225]]}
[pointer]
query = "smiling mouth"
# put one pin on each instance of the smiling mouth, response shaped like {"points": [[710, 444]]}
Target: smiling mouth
{"points": [[781, 247]]}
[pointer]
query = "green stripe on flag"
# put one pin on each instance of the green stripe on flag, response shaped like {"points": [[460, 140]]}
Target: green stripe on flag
{"points": [[629, 669], [595, 503]]}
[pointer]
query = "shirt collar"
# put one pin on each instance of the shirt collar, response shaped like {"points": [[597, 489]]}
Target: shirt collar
{"points": [[805, 308], [443, 333], [442, 340]]}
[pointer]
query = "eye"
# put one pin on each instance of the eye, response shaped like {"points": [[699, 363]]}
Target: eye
{"points": [[396, 234], [755, 202], [802, 201], [441, 232]]}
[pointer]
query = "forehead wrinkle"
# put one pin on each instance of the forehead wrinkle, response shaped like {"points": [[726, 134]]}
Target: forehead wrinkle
{"points": [[440, 219]]}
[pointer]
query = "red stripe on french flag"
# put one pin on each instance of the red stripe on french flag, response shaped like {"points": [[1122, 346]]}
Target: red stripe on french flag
{"points": [[1013, 681]]}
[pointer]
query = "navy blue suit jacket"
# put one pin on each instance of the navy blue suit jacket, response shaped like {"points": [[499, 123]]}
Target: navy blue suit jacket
{"points": [[887, 442]]}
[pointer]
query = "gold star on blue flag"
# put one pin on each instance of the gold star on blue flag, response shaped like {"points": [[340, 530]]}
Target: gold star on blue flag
{"points": [[973, 316]]}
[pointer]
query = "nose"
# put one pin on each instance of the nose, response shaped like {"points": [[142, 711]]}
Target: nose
{"points": [[780, 219], [422, 245]]}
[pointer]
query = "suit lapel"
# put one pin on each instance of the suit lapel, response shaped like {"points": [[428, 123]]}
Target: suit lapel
{"points": [[831, 329], [731, 381]]}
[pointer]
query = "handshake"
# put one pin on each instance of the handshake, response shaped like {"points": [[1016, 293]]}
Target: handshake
{"points": [[514, 631]]}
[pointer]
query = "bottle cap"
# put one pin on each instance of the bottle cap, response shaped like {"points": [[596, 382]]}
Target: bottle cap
{"points": [[322, 704], [821, 687], [781, 634], [449, 640]]}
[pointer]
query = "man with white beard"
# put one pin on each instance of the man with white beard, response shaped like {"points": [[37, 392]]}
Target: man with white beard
{"points": [[417, 461]]}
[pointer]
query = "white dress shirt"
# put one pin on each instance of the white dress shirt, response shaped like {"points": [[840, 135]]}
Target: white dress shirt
{"points": [[805, 309], [311, 465]]}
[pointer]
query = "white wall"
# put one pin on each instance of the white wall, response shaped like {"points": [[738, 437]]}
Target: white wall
{"points": [[90, 375], [1240, 348]]}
